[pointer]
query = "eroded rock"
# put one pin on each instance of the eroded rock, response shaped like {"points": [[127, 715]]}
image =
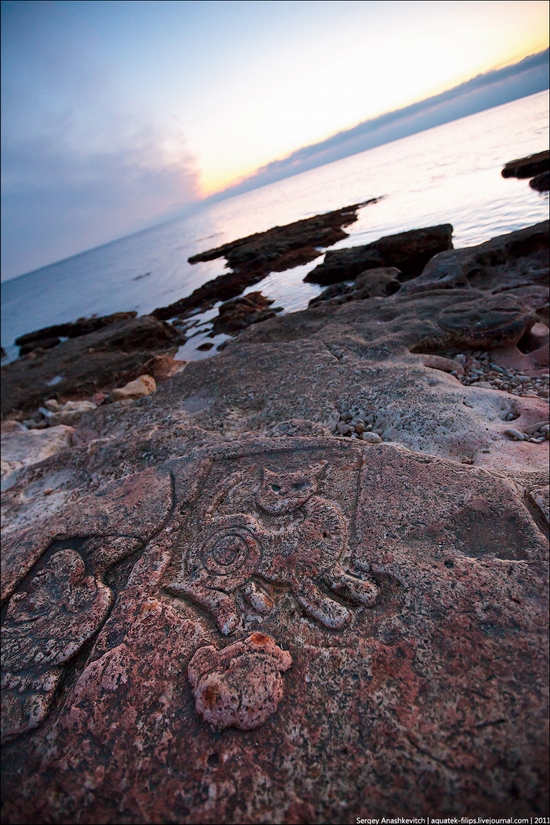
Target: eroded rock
{"points": [[406, 577], [40, 338], [21, 447], [373, 283], [241, 685], [507, 262], [458, 565], [100, 360], [234, 316], [407, 251]]}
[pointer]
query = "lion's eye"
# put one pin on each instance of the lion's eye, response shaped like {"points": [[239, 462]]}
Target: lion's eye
{"points": [[275, 487]]}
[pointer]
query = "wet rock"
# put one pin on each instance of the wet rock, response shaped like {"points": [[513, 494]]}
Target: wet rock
{"points": [[540, 182], [336, 294], [345, 265], [87, 364], [527, 167], [239, 686], [239, 313], [42, 344], [33, 340], [144, 385], [251, 258], [407, 251]]}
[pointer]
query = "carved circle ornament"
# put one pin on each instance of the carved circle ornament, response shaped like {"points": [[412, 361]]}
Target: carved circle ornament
{"points": [[230, 550]]}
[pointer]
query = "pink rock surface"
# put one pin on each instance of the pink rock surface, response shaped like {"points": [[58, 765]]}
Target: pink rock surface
{"points": [[429, 697], [239, 686], [159, 577]]}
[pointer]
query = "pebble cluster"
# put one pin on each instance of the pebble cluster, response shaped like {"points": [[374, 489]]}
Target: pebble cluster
{"points": [[535, 433], [479, 370], [53, 413], [356, 423]]}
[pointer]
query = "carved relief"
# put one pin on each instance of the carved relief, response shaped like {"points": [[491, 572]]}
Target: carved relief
{"points": [[241, 685], [47, 623], [280, 531]]}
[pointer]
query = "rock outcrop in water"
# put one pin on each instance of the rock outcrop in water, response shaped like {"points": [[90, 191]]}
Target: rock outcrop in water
{"points": [[407, 251], [253, 257], [100, 360], [45, 338], [535, 167], [302, 581]]}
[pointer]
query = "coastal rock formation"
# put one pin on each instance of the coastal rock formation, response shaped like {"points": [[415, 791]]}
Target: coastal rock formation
{"points": [[407, 251], [540, 182], [234, 316], [251, 258], [527, 167], [373, 283], [306, 573], [516, 263], [44, 338], [100, 360]]}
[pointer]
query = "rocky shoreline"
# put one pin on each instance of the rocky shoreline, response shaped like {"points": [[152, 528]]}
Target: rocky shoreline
{"points": [[304, 580]]}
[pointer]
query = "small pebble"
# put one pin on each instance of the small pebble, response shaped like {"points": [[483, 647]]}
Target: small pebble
{"points": [[359, 428], [344, 429], [515, 434], [372, 438]]}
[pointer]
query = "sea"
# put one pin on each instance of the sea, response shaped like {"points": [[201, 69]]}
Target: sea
{"points": [[448, 174]]}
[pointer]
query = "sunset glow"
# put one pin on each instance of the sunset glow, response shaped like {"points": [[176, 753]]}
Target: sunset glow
{"points": [[122, 112]]}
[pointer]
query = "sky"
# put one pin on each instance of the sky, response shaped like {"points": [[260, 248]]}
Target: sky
{"points": [[115, 113]]}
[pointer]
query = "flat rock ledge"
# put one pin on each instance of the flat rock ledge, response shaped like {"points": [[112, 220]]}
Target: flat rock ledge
{"points": [[302, 581]]}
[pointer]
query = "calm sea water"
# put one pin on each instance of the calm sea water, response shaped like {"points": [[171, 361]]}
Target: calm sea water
{"points": [[450, 174]]}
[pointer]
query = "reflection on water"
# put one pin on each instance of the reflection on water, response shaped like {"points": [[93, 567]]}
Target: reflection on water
{"points": [[450, 174]]}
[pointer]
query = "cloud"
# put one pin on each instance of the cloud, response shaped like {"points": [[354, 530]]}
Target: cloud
{"points": [[482, 92], [58, 200], [82, 164]]}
